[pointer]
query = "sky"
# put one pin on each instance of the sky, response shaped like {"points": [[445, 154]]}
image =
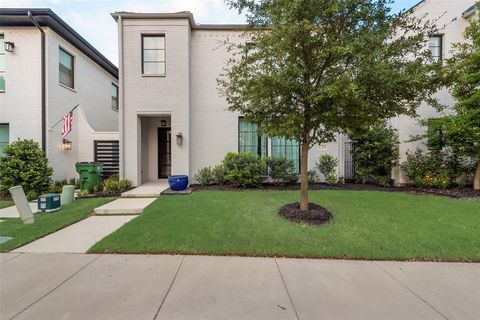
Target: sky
{"points": [[92, 20]]}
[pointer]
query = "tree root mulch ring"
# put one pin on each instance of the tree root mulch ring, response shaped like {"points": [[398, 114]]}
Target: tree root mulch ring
{"points": [[316, 214]]}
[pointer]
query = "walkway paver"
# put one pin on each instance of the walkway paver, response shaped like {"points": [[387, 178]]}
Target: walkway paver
{"points": [[124, 206], [28, 278], [113, 287], [12, 212], [149, 189], [347, 289], [78, 286], [78, 237], [227, 288], [451, 288]]}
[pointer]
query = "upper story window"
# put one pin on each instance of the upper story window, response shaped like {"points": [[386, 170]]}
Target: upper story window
{"points": [[66, 68], [114, 97], [2, 63], [435, 44], [153, 55]]}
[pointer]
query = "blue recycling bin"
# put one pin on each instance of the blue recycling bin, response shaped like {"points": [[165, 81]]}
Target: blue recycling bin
{"points": [[178, 182]]}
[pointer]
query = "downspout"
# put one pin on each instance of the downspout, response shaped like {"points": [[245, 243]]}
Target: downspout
{"points": [[121, 99], [44, 121]]}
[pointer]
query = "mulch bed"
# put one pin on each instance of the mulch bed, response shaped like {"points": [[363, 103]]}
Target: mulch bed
{"points": [[458, 193], [315, 215]]}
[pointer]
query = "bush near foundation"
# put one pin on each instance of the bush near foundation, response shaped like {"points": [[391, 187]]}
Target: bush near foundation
{"points": [[24, 163], [243, 169], [375, 153], [281, 170], [327, 165]]}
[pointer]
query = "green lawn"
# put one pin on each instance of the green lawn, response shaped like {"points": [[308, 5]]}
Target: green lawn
{"points": [[366, 225], [5, 203], [46, 223]]}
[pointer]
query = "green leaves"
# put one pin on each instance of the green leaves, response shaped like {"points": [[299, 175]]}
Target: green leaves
{"points": [[24, 164], [328, 66]]}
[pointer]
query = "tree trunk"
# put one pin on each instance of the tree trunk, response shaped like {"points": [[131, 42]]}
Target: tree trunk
{"points": [[304, 177], [476, 182]]}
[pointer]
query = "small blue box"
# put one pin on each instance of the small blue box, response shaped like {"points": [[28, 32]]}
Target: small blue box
{"points": [[49, 202]]}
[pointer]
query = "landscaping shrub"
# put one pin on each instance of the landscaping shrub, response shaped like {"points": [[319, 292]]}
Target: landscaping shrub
{"points": [[312, 176], [25, 164], [219, 174], [281, 169], [375, 153], [204, 176], [113, 185], [327, 165], [243, 169], [438, 169]]}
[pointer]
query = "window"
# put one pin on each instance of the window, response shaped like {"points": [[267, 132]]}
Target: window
{"points": [[249, 140], [282, 147], [65, 67], [435, 44], [4, 137], [153, 55], [2, 63], [114, 97], [435, 139]]}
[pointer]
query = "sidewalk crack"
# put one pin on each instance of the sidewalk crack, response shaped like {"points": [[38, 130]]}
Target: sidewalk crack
{"points": [[286, 289], [61, 284], [412, 292], [169, 288]]}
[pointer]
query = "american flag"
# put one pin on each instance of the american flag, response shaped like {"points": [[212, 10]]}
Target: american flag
{"points": [[67, 124]]}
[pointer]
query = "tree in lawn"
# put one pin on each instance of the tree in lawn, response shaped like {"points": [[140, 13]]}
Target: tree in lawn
{"points": [[462, 130], [319, 67]]}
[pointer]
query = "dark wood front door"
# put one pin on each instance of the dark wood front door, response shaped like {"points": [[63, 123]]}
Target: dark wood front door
{"points": [[164, 152]]}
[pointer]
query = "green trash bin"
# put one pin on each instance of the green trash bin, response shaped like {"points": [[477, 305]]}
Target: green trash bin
{"points": [[90, 173]]}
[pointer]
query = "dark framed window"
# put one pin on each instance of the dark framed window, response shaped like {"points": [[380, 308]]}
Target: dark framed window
{"points": [[66, 68], [2, 63], [290, 149], [435, 45], [249, 140], [153, 55], [114, 97], [435, 134], [4, 136]]}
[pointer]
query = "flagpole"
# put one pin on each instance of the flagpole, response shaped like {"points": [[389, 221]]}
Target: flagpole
{"points": [[50, 129]]}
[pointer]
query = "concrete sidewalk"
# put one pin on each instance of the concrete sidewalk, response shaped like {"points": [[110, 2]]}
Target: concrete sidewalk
{"points": [[78, 286]]}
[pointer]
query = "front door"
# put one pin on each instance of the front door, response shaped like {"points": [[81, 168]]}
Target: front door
{"points": [[164, 152]]}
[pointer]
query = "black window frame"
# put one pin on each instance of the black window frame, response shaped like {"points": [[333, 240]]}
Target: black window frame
{"points": [[259, 141], [153, 35], [73, 68], [118, 103], [440, 46], [285, 146]]}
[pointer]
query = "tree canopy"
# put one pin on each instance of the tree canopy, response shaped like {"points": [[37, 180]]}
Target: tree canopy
{"points": [[313, 68]]}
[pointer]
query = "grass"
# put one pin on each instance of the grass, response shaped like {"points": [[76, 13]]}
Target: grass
{"points": [[366, 225], [46, 223], [5, 203]]}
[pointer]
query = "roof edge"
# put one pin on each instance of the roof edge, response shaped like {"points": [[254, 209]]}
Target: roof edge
{"points": [[47, 18]]}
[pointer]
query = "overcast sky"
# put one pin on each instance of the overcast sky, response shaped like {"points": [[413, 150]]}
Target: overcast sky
{"points": [[92, 19]]}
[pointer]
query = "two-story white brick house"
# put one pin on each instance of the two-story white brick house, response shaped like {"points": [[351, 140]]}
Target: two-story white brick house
{"points": [[46, 69], [172, 118]]}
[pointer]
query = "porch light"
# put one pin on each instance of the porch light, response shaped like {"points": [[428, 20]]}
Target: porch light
{"points": [[179, 138], [9, 46], [163, 123], [66, 145]]}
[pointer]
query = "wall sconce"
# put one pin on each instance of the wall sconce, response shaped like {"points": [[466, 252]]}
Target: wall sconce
{"points": [[9, 46], [179, 138], [66, 144], [163, 122]]}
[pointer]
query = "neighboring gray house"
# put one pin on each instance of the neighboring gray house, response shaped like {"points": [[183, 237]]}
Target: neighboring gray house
{"points": [[46, 69], [172, 118]]}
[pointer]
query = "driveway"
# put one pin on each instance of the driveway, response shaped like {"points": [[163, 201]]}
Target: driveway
{"points": [[79, 286]]}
